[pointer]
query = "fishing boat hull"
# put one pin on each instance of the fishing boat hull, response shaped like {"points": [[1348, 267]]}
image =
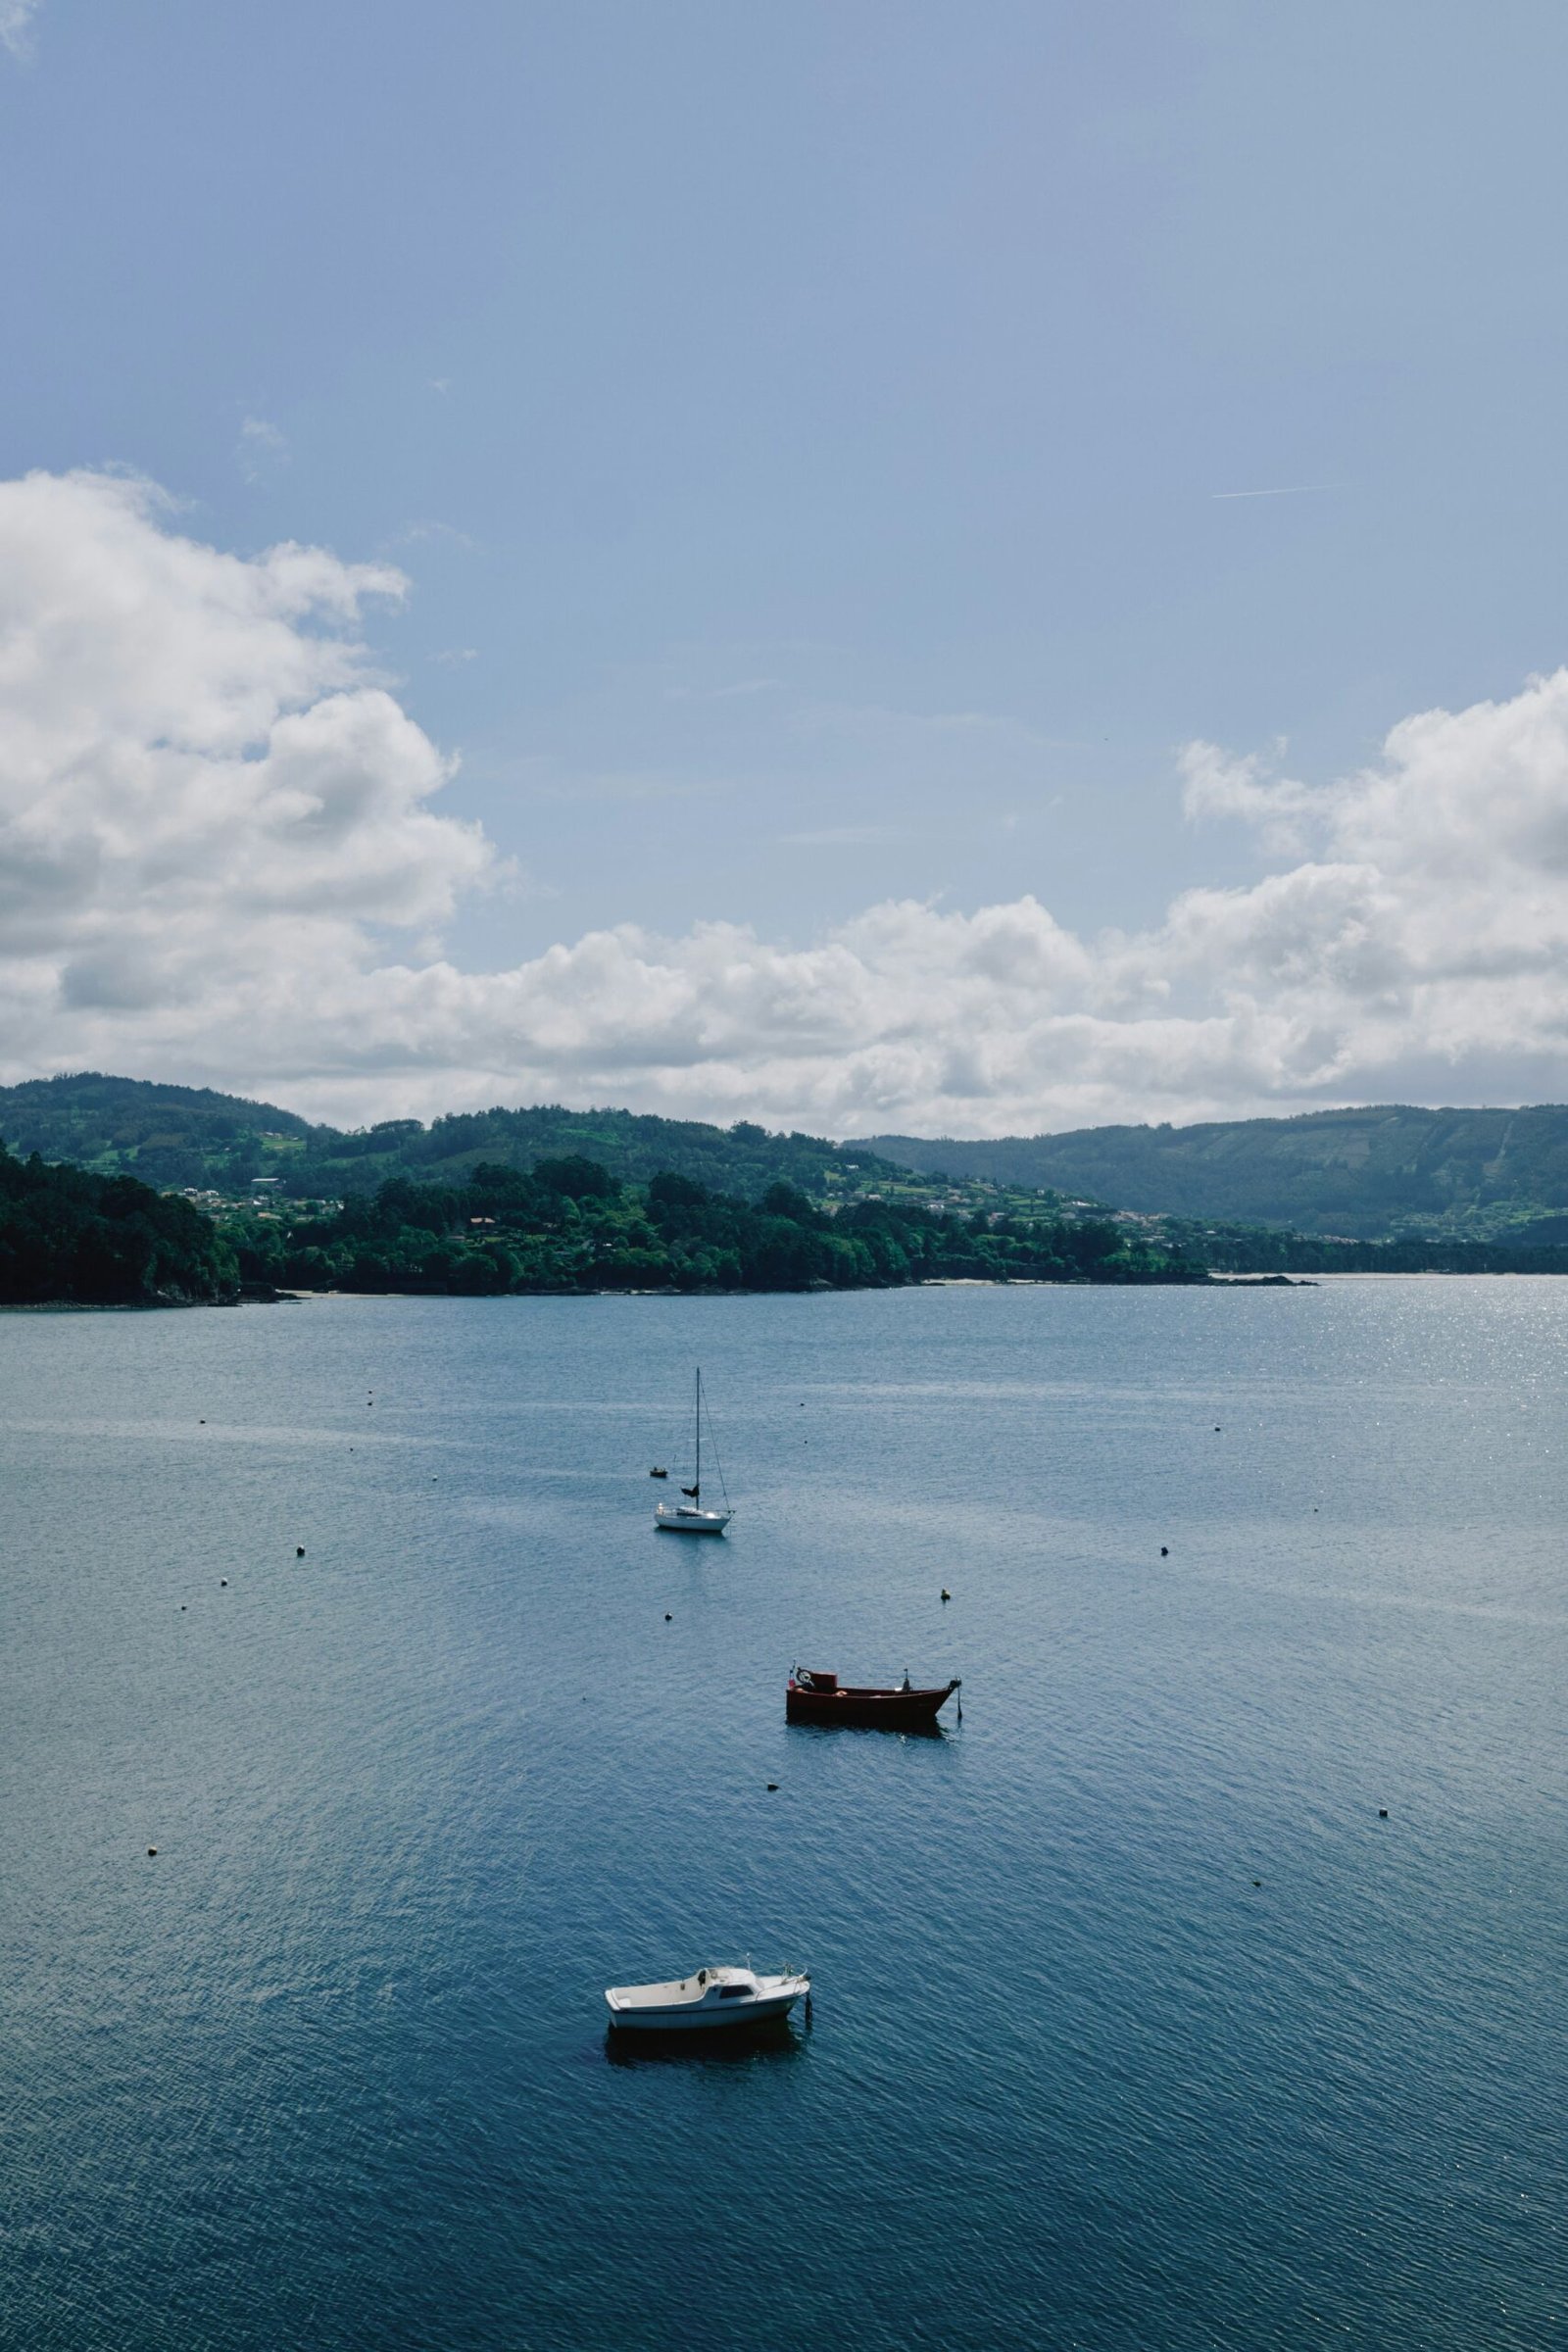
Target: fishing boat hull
{"points": [[867, 1708], [673, 1522]]}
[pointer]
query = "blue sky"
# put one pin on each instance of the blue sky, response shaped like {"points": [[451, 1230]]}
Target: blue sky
{"points": [[839, 454]]}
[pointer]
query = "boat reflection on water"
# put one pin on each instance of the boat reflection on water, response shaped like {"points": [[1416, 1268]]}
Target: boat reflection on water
{"points": [[772, 2040], [923, 1733]]}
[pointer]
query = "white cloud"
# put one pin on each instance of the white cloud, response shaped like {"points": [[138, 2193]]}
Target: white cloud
{"points": [[15, 25], [214, 819], [1215, 784], [262, 450]]}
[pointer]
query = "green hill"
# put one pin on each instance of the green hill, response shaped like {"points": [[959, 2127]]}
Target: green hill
{"points": [[104, 1240], [1391, 1172], [570, 1225], [1388, 1170], [181, 1137]]}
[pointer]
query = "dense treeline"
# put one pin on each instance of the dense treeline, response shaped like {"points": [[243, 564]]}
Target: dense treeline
{"points": [[1264, 1249], [103, 1241], [570, 1225]]}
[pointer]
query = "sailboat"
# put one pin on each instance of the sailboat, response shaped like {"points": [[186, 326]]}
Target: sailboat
{"points": [[688, 1517]]}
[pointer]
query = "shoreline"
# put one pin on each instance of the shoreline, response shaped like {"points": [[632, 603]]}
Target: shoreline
{"points": [[955, 1281]]}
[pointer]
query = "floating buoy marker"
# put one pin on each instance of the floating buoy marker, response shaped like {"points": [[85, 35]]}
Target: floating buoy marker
{"points": [[945, 1595], [1383, 1812], [298, 1551], [1164, 1552]]}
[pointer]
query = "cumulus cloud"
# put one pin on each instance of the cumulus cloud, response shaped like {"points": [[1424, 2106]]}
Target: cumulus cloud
{"points": [[220, 859]]}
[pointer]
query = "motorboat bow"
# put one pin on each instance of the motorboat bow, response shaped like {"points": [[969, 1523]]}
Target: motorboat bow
{"points": [[713, 1998]]}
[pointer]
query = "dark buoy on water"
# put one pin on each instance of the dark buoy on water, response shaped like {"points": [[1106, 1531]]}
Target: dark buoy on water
{"points": [[1383, 1812], [945, 1595], [1164, 1552], [772, 1788], [1258, 1881], [151, 1850], [222, 1580], [298, 1551], [669, 1619]]}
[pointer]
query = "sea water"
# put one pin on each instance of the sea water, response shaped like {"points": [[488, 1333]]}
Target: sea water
{"points": [[1137, 2026]]}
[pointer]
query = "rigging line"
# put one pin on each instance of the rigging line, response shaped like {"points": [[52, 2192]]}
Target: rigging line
{"points": [[713, 1448]]}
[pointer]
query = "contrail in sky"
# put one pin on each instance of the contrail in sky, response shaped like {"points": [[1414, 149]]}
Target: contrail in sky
{"points": [[1293, 490]]}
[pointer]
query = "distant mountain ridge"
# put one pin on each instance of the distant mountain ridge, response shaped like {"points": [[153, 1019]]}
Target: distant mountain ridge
{"points": [[1386, 1169], [180, 1137]]}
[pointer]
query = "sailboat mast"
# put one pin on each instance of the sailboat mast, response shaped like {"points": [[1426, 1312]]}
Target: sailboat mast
{"points": [[698, 1432]]}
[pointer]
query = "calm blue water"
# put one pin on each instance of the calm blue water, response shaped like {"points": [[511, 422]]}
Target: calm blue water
{"points": [[332, 2071]]}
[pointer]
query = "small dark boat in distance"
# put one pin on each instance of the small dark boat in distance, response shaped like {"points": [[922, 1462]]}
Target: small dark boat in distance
{"points": [[818, 1697]]}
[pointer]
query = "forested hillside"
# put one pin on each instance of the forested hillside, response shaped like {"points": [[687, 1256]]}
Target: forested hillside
{"points": [[180, 1136], [1391, 1173], [570, 1225], [1474, 1174], [104, 1240]]}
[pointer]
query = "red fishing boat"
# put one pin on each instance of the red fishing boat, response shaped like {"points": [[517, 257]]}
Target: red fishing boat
{"points": [[818, 1697]]}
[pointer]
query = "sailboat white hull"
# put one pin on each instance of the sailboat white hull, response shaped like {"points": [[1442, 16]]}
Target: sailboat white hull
{"points": [[681, 1520]]}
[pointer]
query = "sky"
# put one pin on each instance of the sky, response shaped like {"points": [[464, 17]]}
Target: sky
{"points": [[866, 564]]}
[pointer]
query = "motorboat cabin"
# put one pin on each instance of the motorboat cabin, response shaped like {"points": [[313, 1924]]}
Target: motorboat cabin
{"points": [[713, 1998]]}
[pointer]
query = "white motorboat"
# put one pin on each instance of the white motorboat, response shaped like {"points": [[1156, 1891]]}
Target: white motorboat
{"points": [[713, 1997], [688, 1517]]}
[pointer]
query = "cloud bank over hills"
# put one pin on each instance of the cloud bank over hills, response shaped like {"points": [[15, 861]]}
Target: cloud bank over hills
{"points": [[224, 860]]}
